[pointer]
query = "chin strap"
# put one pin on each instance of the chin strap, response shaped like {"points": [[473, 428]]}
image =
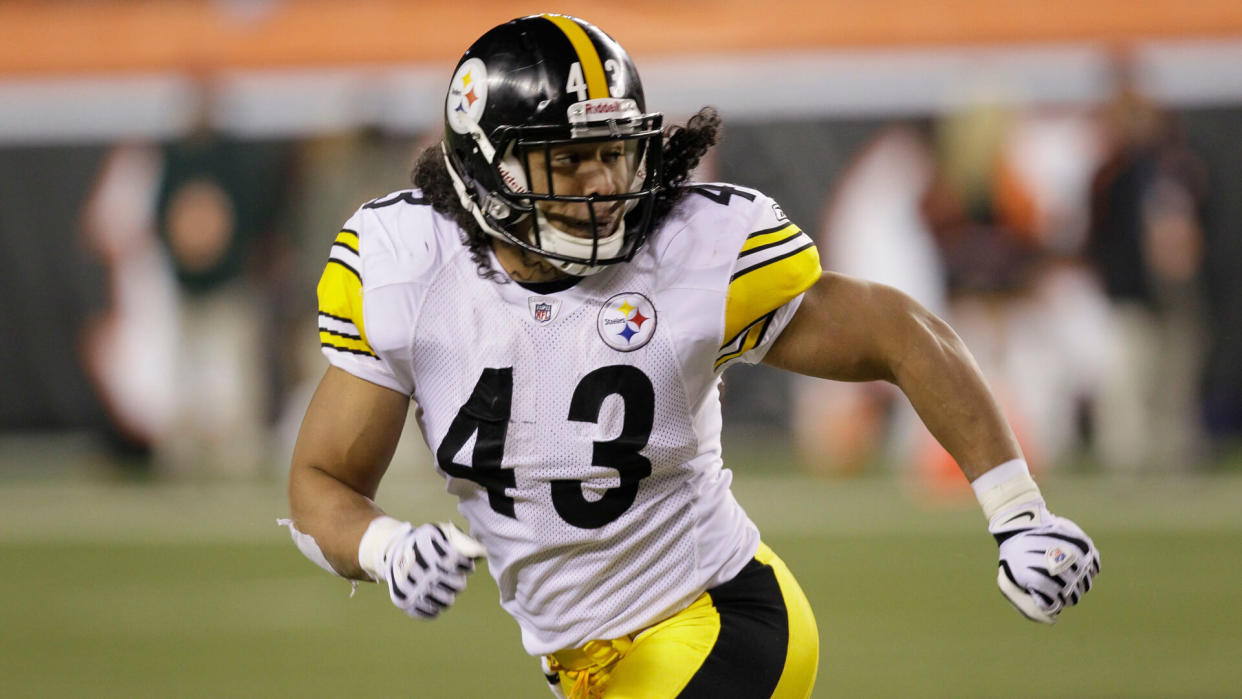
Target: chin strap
{"points": [[559, 242]]}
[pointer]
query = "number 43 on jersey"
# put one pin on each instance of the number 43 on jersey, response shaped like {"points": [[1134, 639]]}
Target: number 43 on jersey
{"points": [[486, 414]]}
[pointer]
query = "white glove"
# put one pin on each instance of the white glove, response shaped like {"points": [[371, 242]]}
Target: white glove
{"points": [[425, 567], [1046, 562]]}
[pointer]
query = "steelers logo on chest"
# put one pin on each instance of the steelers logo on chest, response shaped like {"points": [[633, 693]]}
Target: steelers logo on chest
{"points": [[626, 321]]}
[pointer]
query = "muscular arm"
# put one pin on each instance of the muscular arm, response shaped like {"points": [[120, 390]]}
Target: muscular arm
{"points": [[851, 330], [346, 441]]}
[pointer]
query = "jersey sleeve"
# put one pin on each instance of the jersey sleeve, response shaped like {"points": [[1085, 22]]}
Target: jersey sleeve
{"points": [[342, 325], [777, 262]]}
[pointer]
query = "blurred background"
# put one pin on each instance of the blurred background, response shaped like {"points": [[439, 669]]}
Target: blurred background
{"points": [[1060, 180]]}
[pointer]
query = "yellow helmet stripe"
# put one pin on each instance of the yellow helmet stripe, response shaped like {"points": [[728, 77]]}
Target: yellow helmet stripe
{"points": [[592, 67]]}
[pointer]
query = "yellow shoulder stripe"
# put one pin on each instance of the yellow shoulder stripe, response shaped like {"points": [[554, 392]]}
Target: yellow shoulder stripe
{"points": [[592, 67], [758, 240], [340, 299], [766, 286], [348, 239]]}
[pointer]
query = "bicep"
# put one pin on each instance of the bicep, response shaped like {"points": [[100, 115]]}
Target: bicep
{"points": [[350, 431], [845, 329]]}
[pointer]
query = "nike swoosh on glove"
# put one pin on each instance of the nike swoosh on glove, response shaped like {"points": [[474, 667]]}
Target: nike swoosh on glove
{"points": [[1047, 563]]}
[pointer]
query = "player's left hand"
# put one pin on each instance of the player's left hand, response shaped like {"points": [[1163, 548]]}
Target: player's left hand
{"points": [[1047, 562]]}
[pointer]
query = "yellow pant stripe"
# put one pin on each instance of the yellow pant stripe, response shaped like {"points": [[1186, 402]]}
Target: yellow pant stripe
{"points": [[802, 655]]}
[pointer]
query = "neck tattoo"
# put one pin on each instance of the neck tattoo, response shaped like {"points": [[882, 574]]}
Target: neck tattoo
{"points": [[529, 267]]}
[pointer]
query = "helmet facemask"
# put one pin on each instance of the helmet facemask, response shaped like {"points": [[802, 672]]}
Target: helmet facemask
{"points": [[580, 234], [574, 225]]}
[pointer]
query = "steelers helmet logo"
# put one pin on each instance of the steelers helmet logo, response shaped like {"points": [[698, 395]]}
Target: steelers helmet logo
{"points": [[467, 95], [627, 321]]}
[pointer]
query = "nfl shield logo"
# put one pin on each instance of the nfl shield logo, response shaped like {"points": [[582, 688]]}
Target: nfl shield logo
{"points": [[542, 308], [543, 312]]}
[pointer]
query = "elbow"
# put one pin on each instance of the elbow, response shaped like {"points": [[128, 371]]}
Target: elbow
{"points": [[296, 491], [301, 489], [927, 340], [938, 333]]}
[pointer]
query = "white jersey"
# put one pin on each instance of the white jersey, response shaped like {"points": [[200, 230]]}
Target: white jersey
{"points": [[579, 429]]}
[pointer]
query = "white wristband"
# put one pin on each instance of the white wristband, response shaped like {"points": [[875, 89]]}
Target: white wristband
{"points": [[1005, 486], [375, 541]]}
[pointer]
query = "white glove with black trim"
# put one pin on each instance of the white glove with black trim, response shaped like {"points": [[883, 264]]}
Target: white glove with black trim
{"points": [[1046, 562], [425, 567]]}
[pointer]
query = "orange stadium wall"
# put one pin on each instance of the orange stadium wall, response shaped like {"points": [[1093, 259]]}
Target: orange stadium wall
{"points": [[43, 38]]}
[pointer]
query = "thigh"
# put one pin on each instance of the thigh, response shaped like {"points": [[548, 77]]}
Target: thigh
{"points": [[664, 658], [753, 636]]}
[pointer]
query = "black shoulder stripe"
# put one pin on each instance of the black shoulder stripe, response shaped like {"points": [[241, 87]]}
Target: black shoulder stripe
{"points": [[402, 197], [766, 231], [778, 258], [342, 319], [347, 349], [765, 246], [761, 319], [347, 246], [336, 333], [333, 260], [763, 330]]}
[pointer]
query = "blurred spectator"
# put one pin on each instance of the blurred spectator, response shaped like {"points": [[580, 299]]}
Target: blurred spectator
{"points": [[1063, 339], [213, 206], [1146, 243], [981, 218], [1008, 206], [129, 350], [873, 229]]}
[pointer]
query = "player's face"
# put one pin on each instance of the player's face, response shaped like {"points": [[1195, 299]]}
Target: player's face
{"points": [[582, 169]]}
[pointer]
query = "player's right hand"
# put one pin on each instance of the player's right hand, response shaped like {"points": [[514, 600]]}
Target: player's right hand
{"points": [[426, 567], [1047, 562]]}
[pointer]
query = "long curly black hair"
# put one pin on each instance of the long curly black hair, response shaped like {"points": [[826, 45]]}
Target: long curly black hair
{"points": [[684, 148]]}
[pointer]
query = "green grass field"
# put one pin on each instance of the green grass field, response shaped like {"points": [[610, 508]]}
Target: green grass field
{"points": [[116, 589]]}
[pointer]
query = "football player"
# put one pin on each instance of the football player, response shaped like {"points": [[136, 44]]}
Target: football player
{"points": [[560, 302]]}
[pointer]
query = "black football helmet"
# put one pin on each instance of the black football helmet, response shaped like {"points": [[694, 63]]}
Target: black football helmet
{"points": [[534, 84]]}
